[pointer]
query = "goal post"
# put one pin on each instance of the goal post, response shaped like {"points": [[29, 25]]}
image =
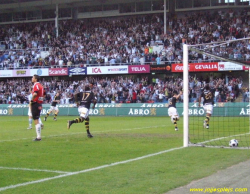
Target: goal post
{"points": [[223, 130], [185, 96]]}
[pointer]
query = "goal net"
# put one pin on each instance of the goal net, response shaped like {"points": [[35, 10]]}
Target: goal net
{"points": [[228, 117]]}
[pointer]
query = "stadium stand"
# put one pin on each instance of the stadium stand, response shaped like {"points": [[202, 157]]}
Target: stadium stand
{"points": [[119, 89], [126, 40], [130, 40]]}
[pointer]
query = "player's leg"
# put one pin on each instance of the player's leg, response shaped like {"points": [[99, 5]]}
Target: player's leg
{"points": [[209, 110], [36, 109], [56, 113], [30, 122], [82, 112], [207, 119], [41, 123], [172, 112], [87, 127], [30, 118], [77, 120], [175, 119], [48, 113]]}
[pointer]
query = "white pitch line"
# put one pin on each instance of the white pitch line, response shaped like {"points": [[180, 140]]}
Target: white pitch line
{"points": [[224, 138], [38, 170], [97, 132], [13, 139], [87, 170]]}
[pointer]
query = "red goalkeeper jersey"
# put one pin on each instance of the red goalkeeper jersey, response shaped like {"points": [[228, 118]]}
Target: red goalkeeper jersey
{"points": [[38, 88]]}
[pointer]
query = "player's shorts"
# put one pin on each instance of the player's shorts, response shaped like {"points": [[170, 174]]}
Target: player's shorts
{"points": [[53, 109], [83, 112], [208, 108], [29, 112], [36, 110], [172, 112]]}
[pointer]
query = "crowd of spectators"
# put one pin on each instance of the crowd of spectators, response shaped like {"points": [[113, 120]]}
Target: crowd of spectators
{"points": [[127, 40], [124, 89]]}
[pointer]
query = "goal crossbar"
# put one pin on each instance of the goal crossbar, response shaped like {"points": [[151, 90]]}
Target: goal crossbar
{"points": [[219, 57]]}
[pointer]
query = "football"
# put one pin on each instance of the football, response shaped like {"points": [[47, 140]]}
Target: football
{"points": [[233, 143]]}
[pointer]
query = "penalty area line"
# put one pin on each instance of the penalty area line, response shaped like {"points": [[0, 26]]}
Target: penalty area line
{"points": [[88, 170], [36, 170]]}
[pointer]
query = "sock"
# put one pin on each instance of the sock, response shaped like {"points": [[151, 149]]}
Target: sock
{"points": [[47, 114], [38, 131], [55, 116], [87, 126], [30, 122], [78, 120], [175, 122], [40, 121], [207, 120]]}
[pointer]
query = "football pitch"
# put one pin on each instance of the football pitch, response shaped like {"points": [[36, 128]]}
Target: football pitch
{"points": [[128, 155]]}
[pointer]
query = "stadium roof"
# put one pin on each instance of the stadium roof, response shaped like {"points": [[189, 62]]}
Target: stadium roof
{"points": [[32, 1], [26, 5]]}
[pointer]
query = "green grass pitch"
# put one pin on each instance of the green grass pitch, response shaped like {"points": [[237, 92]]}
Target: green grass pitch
{"points": [[221, 131], [128, 155]]}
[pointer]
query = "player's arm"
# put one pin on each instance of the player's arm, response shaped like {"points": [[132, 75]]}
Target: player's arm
{"points": [[94, 102], [200, 100], [58, 101], [178, 96], [33, 97]]}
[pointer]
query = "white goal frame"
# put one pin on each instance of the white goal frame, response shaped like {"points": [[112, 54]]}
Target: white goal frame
{"points": [[185, 96], [186, 85]]}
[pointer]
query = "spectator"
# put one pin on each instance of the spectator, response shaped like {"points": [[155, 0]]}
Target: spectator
{"points": [[246, 95]]}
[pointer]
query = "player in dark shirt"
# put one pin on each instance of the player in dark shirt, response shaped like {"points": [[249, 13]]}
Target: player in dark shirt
{"points": [[83, 101], [172, 111], [54, 107], [208, 102]]}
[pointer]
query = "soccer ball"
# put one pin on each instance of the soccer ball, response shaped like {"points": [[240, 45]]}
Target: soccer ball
{"points": [[233, 143]]}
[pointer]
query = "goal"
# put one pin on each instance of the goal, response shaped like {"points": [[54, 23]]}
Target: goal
{"points": [[229, 119]]}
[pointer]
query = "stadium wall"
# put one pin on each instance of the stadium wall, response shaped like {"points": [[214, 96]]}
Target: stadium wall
{"points": [[237, 109]]}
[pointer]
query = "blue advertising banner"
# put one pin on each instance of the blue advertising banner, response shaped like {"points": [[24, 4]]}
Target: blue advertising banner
{"points": [[77, 71]]}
